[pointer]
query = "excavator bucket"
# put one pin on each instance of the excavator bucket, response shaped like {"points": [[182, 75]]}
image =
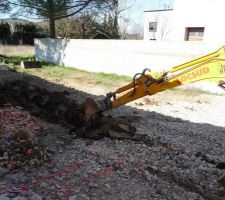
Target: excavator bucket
{"points": [[92, 111]]}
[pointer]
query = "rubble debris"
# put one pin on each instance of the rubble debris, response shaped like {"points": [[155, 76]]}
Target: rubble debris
{"points": [[18, 147], [57, 107], [52, 106], [22, 153], [117, 129], [14, 118], [107, 127]]}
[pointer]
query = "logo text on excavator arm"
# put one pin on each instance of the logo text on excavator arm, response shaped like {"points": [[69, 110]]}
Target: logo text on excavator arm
{"points": [[222, 69], [194, 74]]}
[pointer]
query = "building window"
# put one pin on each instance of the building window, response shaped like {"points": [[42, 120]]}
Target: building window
{"points": [[194, 33], [152, 26]]}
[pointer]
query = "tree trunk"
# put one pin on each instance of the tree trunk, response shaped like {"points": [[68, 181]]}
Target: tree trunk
{"points": [[115, 22], [52, 27], [51, 17]]}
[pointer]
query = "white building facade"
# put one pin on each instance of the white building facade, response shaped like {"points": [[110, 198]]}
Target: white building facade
{"points": [[158, 24], [192, 20]]}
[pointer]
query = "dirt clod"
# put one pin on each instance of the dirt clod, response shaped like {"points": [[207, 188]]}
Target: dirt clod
{"points": [[24, 134], [221, 180]]}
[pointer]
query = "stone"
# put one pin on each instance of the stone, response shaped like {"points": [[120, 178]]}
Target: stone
{"points": [[77, 191], [221, 179], [3, 171], [108, 186], [220, 165], [74, 197], [52, 187], [149, 176], [85, 197], [19, 198], [4, 197], [37, 197], [44, 185]]}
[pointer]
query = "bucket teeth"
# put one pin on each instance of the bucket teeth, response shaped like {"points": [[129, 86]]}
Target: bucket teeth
{"points": [[91, 109]]}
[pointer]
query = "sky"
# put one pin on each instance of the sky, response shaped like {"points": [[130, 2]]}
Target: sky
{"points": [[139, 6]]}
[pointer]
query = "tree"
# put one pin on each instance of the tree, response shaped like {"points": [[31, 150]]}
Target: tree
{"points": [[109, 26], [86, 24], [25, 33], [4, 6], [52, 9], [5, 32], [64, 28], [107, 29], [124, 17], [115, 18], [82, 26], [136, 32]]}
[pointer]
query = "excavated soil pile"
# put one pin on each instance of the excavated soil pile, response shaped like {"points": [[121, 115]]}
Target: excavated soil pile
{"points": [[53, 106], [57, 107], [13, 118], [19, 145], [18, 148]]}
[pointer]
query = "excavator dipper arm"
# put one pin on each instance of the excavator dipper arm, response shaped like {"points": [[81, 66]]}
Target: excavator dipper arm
{"points": [[210, 67]]}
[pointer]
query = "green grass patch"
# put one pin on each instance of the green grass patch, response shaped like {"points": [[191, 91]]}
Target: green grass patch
{"points": [[104, 77], [50, 70], [54, 71], [15, 60]]}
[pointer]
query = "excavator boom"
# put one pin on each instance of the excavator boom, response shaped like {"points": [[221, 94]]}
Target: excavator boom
{"points": [[209, 67]]}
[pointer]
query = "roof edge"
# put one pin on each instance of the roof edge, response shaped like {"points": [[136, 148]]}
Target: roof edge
{"points": [[158, 10]]}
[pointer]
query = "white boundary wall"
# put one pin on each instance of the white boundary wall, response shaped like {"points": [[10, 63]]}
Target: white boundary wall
{"points": [[124, 57]]}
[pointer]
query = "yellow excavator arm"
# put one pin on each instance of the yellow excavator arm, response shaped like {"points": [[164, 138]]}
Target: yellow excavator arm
{"points": [[209, 67]]}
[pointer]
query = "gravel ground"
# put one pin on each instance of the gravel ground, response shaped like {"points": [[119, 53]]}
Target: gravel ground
{"points": [[185, 160]]}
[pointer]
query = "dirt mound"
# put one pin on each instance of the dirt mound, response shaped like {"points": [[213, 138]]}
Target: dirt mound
{"points": [[13, 118], [57, 107]]}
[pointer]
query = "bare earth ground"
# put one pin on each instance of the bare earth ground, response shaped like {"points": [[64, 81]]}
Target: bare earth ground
{"points": [[184, 160], [16, 50]]}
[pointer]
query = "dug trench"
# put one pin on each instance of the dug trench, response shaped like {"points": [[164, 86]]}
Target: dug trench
{"points": [[58, 107], [67, 159]]}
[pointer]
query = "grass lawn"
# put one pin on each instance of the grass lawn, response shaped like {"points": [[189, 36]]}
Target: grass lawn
{"points": [[69, 73], [59, 72], [50, 71], [16, 60]]}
